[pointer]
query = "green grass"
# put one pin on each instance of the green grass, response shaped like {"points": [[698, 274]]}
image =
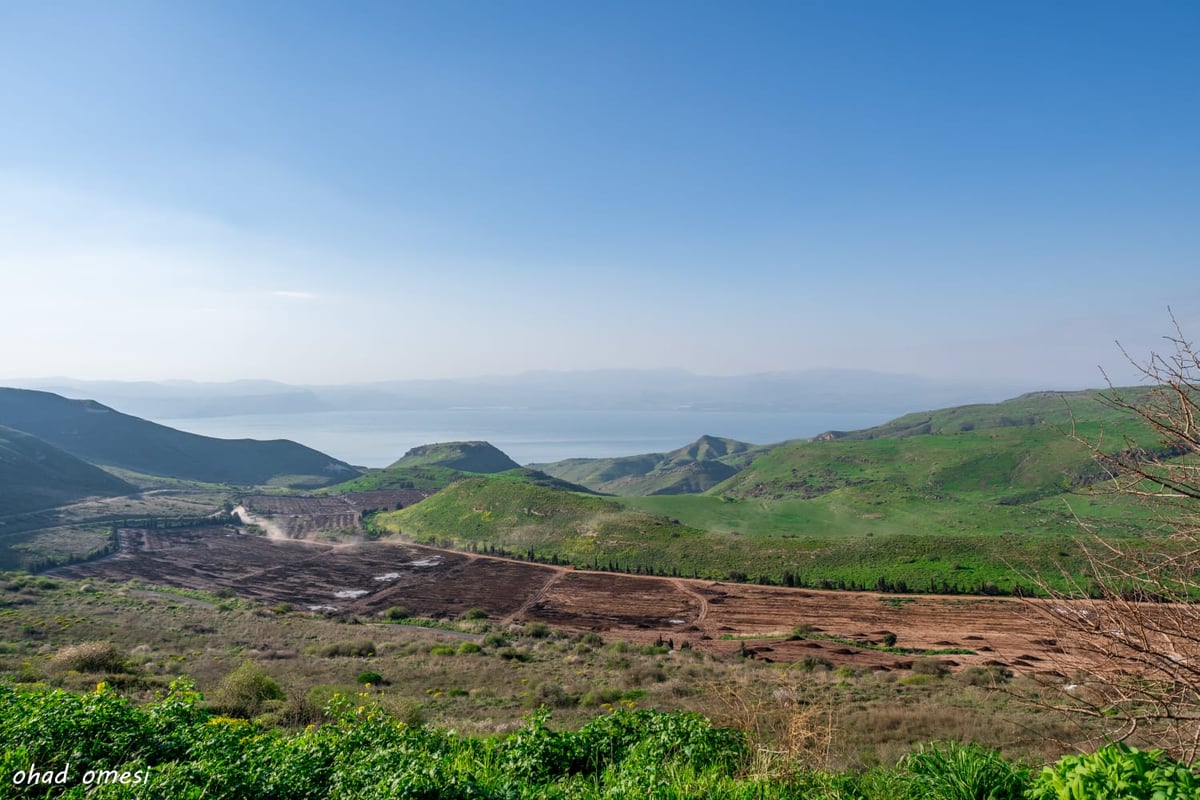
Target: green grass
{"points": [[692, 468], [965, 549]]}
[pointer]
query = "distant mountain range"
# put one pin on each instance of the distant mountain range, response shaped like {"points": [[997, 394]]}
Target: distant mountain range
{"points": [[99, 435], [826, 390]]}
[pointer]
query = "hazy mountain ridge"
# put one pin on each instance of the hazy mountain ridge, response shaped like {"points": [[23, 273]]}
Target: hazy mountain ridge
{"points": [[807, 391]]}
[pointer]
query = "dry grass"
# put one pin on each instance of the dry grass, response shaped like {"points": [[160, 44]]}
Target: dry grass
{"points": [[794, 718]]}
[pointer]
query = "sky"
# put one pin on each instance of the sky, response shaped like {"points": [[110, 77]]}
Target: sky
{"points": [[342, 192]]}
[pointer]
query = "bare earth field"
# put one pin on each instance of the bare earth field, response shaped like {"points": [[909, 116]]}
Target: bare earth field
{"points": [[297, 517], [368, 578]]}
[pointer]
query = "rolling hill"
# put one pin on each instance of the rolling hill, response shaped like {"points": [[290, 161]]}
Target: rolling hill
{"points": [[956, 500], [436, 466], [480, 457], [35, 475], [691, 469], [100, 435]]}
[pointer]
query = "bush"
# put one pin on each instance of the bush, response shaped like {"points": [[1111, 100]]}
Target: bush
{"points": [[591, 639], [371, 678], [537, 630], [1114, 773], [965, 772], [246, 691], [358, 647], [90, 657], [930, 666], [495, 640], [475, 613], [396, 613], [469, 648], [985, 676]]}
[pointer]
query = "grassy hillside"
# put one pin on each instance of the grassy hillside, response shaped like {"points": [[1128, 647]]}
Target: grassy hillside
{"points": [[35, 475], [100, 435], [519, 518], [436, 466], [480, 457], [894, 507], [505, 516], [1012, 453], [692, 468]]}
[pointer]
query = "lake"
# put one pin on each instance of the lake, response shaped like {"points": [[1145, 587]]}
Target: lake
{"points": [[377, 438]]}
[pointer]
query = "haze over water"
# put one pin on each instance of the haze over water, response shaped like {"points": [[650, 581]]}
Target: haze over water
{"points": [[377, 438]]}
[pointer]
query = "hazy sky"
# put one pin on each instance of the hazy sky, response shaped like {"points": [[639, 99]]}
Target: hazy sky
{"points": [[362, 191]]}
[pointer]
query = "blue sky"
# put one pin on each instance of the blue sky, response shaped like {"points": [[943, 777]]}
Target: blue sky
{"points": [[340, 192]]}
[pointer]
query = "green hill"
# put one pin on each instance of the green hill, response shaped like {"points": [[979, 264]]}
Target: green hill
{"points": [[436, 466], [691, 469], [507, 515], [957, 500], [480, 457], [1008, 453], [35, 475], [101, 435]]}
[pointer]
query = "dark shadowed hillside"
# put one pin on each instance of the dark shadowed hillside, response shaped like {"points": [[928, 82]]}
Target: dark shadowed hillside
{"points": [[36, 475], [101, 435]]}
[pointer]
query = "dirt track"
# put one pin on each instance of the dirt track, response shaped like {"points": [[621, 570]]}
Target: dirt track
{"points": [[365, 579]]}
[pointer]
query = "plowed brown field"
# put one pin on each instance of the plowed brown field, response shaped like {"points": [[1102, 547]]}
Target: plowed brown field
{"points": [[364, 579]]}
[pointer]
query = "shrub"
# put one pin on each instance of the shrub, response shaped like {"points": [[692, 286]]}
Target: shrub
{"points": [[90, 657], [475, 613], [396, 613], [358, 647], [441, 650], [245, 691], [812, 663], [469, 648], [965, 772], [985, 676], [930, 666], [591, 639], [1115, 772], [371, 678], [537, 630], [495, 640]]}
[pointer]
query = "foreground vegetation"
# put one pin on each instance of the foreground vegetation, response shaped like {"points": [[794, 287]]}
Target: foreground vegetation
{"points": [[62, 744]]}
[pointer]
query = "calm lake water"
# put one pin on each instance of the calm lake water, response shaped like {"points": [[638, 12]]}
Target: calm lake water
{"points": [[377, 438]]}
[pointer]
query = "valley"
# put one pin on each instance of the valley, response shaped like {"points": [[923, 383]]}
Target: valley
{"points": [[364, 580]]}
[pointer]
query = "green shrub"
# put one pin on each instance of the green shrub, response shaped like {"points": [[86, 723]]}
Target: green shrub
{"points": [[495, 640], [397, 613], [246, 691], [964, 772], [441, 650], [475, 613], [469, 648], [370, 679], [537, 630], [1116, 772]]}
